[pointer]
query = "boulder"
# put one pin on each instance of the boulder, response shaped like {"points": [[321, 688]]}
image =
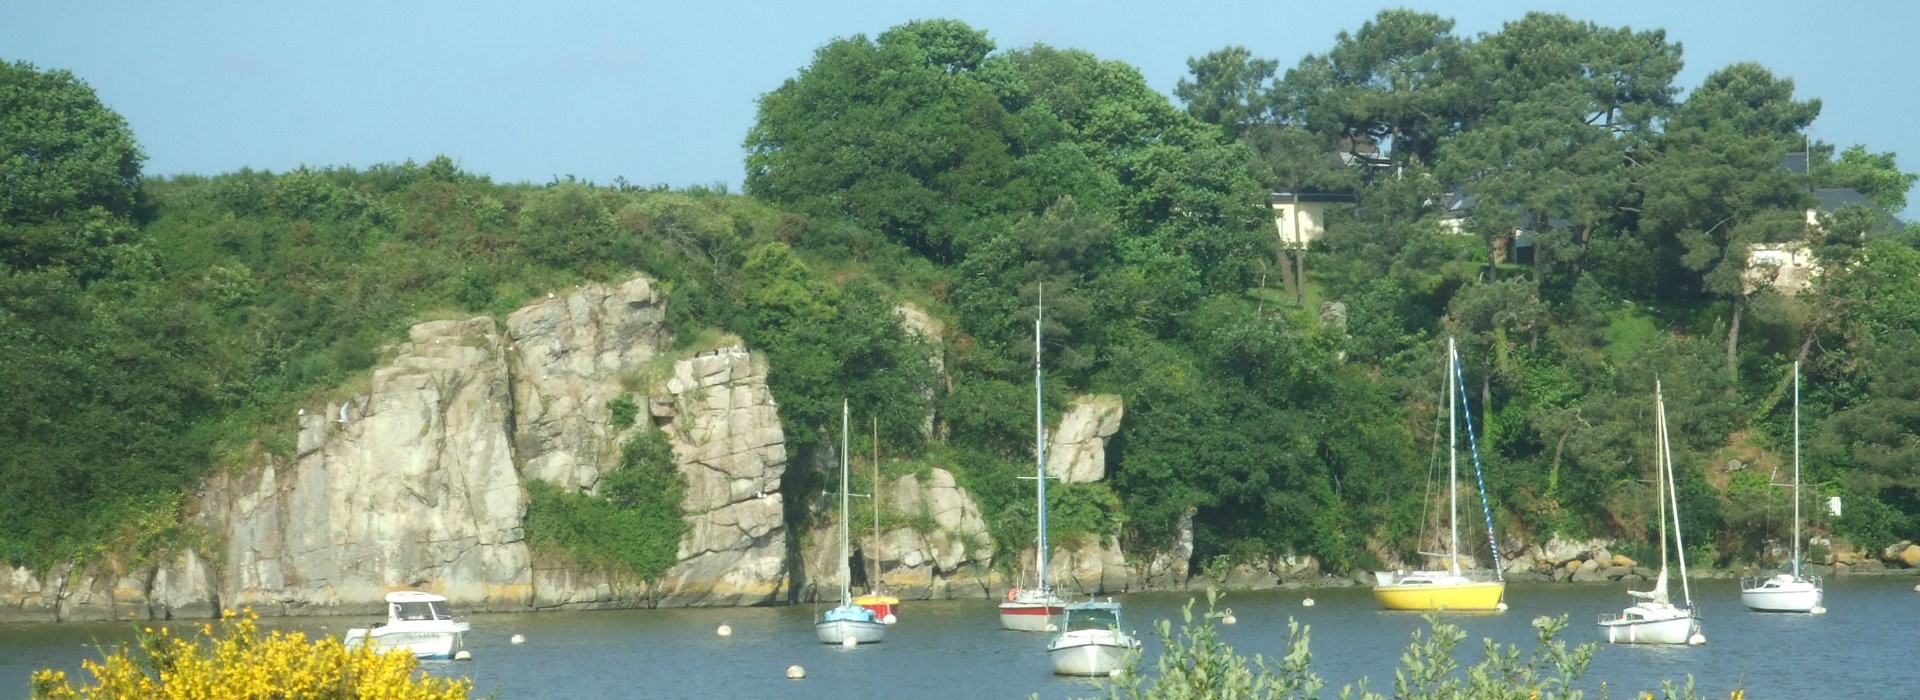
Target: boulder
{"points": [[1910, 556], [1586, 574]]}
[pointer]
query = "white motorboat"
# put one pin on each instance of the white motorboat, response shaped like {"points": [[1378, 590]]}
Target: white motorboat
{"points": [[1656, 620], [1092, 643], [1452, 589], [421, 623], [1036, 609], [1791, 591], [848, 621]]}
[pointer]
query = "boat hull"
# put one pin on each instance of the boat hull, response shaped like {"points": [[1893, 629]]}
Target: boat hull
{"points": [[884, 607], [423, 644], [839, 631], [1075, 654], [1781, 594], [1033, 617], [1671, 630], [1469, 595]]}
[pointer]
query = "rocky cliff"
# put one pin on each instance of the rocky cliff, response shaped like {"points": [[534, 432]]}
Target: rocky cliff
{"points": [[417, 480]]}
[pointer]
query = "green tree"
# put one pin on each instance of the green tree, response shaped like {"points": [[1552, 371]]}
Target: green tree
{"points": [[1872, 174], [1402, 81], [69, 173], [1552, 156], [1713, 189]]}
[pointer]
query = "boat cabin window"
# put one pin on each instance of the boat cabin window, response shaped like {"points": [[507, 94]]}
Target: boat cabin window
{"points": [[1095, 619], [422, 610]]}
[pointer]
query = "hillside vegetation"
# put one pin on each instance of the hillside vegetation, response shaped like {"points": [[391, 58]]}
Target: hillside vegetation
{"points": [[158, 329]]}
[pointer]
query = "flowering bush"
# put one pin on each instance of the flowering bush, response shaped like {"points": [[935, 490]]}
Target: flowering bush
{"points": [[235, 660]]}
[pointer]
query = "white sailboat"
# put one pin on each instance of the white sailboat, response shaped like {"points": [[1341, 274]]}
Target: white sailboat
{"points": [[1452, 589], [1791, 591], [1655, 619], [848, 623], [1036, 609]]}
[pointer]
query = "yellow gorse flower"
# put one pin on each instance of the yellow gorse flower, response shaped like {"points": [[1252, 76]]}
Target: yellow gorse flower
{"points": [[236, 660]]}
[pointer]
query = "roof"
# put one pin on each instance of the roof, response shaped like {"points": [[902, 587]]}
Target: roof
{"points": [[1795, 162], [414, 597], [1832, 199]]}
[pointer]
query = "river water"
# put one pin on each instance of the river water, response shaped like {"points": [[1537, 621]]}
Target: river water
{"points": [[1863, 647]]}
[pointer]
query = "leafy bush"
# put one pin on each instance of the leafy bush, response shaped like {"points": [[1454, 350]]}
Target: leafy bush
{"points": [[622, 410], [236, 660], [634, 523], [1197, 665]]}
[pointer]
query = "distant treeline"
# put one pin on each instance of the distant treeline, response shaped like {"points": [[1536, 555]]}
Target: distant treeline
{"points": [[1538, 193]]}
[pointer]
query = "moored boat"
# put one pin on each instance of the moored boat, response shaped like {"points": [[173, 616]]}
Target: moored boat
{"points": [[421, 623], [1036, 609], [1091, 642], [1656, 619], [1790, 591], [884, 607], [847, 622], [1454, 588]]}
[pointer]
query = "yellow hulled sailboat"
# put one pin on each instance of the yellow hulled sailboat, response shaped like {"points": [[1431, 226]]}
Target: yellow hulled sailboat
{"points": [[1452, 589]]}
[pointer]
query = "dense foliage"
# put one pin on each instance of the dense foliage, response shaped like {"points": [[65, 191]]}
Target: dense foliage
{"points": [[235, 659], [632, 522], [1197, 664], [1541, 193]]}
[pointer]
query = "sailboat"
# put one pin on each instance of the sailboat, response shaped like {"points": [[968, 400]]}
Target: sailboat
{"points": [[847, 624], [1036, 609], [1655, 619], [1792, 591], [1452, 589], [876, 598]]}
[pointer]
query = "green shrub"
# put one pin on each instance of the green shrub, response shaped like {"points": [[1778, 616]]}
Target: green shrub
{"points": [[622, 410], [1197, 665], [633, 524]]}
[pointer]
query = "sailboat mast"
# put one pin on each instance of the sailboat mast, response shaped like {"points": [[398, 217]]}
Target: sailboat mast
{"points": [[1453, 462], [846, 595], [874, 583], [1660, 474], [1796, 468], [1039, 445], [1673, 500]]}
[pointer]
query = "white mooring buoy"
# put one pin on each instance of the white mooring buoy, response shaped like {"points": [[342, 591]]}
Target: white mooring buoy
{"points": [[795, 672], [1819, 610], [1308, 603], [1697, 639], [463, 655], [517, 639], [1229, 619], [1500, 606], [725, 630]]}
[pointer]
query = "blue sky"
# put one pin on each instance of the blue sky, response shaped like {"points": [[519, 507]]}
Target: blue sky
{"points": [[660, 92]]}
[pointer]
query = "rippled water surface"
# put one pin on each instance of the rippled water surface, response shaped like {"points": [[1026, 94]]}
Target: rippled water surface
{"points": [[1864, 647]]}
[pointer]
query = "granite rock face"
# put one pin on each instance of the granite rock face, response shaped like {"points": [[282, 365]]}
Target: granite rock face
{"points": [[412, 485], [1077, 451], [418, 479]]}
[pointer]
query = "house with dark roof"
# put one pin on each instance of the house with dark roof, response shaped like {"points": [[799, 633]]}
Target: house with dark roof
{"points": [[1788, 266]]}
